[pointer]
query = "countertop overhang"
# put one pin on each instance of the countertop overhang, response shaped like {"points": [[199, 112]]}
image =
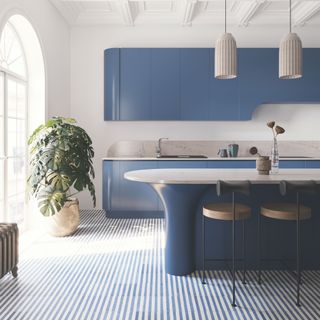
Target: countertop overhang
{"points": [[211, 176]]}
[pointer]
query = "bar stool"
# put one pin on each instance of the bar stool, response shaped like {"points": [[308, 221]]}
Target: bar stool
{"points": [[228, 212], [288, 212]]}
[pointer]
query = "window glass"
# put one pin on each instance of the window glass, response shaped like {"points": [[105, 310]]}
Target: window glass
{"points": [[13, 120], [11, 51]]}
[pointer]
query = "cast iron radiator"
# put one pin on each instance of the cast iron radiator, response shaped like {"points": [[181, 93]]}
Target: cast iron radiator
{"points": [[9, 249]]}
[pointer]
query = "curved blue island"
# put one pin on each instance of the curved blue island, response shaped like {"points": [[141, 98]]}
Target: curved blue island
{"points": [[180, 191]]}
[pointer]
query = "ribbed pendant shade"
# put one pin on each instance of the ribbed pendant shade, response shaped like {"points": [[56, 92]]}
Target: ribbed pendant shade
{"points": [[226, 57], [290, 57]]}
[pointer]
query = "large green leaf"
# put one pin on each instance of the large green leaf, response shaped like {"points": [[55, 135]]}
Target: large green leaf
{"points": [[58, 180], [52, 157], [50, 201]]}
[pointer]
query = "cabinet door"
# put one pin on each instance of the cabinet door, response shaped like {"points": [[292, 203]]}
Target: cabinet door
{"points": [[109, 183], [231, 164], [135, 84], [258, 73], [135, 196], [165, 84], [111, 84], [223, 96], [313, 164], [292, 164], [195, 74]]}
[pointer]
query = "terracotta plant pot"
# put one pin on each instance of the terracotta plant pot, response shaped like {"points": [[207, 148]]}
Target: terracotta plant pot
{"points": [[66, 221]]}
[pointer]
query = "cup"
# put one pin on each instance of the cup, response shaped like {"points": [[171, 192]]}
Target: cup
{"points": [[223, 153], [233, 150]]}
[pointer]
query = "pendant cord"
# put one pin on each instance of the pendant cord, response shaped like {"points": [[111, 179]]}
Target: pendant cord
{"points": [[225, 16], [290, 17]]}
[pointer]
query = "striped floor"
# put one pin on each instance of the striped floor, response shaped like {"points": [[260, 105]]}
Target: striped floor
{"points": [[113, 269]]}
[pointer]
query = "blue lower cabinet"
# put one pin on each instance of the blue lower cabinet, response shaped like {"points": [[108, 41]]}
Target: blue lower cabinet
{"points": [[167, 164], [313, 164], [124, 198], [287, 164], [134, 199], [231, 164]]}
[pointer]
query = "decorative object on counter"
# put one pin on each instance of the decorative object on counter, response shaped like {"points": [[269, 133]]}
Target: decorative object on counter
{"points": [[225, 53], [60, 166], [263, 165], [290, 54], [253, 151], [233, 150], [223, 153], [276, 130]]}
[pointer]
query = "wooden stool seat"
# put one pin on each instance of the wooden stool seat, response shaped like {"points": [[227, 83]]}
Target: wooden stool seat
{"points": [[223, 211], [285, 211]]}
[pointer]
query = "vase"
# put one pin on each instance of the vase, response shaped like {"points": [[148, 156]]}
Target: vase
{"points": [[275, 156], [66, 221]]}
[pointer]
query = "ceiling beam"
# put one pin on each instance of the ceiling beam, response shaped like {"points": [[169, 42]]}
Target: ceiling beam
{"points": [[126, 12], [247, 10], [304, 12], [188, 12]]}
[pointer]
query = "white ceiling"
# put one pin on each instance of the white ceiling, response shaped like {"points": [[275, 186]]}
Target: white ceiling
{"points": [[241, 13]]}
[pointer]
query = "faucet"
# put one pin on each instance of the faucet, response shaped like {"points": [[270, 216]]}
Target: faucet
{"points": [[158, 149]]}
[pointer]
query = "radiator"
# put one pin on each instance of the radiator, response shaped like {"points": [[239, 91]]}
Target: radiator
{"points": [[9, 249]]}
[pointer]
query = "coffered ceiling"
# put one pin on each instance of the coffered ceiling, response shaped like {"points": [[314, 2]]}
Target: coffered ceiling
{"points": [[188, 13]]}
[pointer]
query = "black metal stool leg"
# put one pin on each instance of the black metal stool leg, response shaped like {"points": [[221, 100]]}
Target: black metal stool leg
{"points": [[298, 251], [244, 251], [203, 250], [259, 248], [233, 253]]}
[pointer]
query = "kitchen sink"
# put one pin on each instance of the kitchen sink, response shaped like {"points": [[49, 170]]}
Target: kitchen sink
{"points": [[188, 156]]}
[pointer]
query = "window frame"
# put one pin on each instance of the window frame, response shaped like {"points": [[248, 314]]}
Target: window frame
{"points": [[7, 75]]}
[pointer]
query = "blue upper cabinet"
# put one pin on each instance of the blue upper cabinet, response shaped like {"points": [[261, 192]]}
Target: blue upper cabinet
{"points": [[135, 84], [195, 77], [111, 84], [223, 95], [165, 84], [179, 84], [259, 82], [258, 72]]}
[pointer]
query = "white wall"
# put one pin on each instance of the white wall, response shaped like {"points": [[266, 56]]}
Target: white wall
{"points": [[87, 46], [54, 35]]}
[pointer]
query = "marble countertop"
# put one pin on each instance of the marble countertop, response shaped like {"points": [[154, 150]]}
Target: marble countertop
{"points": [[200, 159], [211, 176]]}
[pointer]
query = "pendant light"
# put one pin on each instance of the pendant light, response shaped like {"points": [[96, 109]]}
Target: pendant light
{"points": [[225, 53], [290, 54]]}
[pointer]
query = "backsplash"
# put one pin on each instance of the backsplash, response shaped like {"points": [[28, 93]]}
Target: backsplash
{"points": [[141, 148]]}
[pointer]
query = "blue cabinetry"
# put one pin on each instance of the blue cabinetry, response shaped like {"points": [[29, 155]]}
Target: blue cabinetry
{"points": [[179, 84], [123, 198], [195, 76], [135, 84]]}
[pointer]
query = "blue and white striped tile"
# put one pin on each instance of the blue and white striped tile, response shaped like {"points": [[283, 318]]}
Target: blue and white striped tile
{"points": [[114, 269]]}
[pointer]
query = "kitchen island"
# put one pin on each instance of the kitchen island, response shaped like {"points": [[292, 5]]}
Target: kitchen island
{"points": [[183, 190]]}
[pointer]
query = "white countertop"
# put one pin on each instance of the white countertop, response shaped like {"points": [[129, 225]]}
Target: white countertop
{"points": [[196, 159], [211, 176]]}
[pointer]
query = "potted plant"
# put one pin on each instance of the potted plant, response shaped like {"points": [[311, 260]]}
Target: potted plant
{"points": [[60, 167]]}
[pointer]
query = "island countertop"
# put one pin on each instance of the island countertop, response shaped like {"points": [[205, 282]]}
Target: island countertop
{"points": [[211, 176]]}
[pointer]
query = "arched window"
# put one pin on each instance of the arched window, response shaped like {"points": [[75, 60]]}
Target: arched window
{"points": [[20, 88]]}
